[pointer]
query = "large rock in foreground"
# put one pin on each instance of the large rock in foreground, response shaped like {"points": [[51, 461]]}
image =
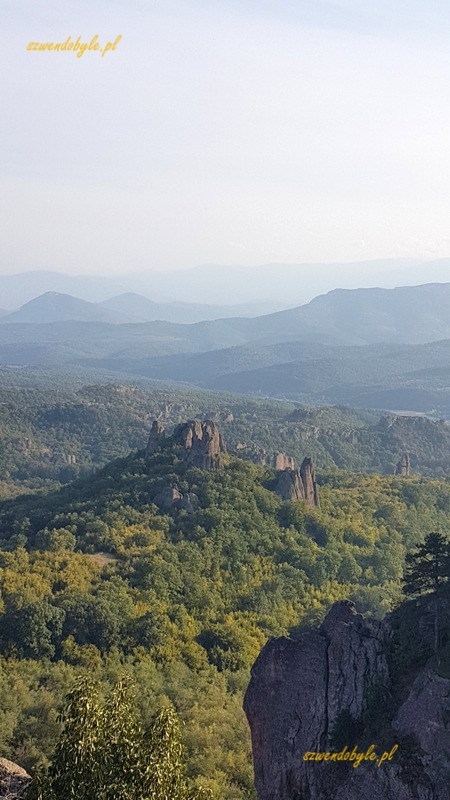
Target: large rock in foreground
{"points": [[13, 780], [298, 693]]}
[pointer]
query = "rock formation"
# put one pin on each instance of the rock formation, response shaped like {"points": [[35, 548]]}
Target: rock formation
{"points": [[299, 690], [281, 461], [289, 485], [167, 498], [202, 442], [252, 452], [308, 478], [170, 497], [403, 467], [294, 484], [13, 780], [157, 437]]}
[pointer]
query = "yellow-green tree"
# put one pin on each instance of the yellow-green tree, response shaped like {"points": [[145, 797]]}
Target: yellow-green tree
{"points": [[104, 753]]}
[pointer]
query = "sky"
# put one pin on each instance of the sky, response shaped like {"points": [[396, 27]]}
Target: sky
{"points": [[224, 132]]}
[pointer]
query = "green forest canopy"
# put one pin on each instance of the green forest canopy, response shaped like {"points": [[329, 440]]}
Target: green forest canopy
{"points": [[94, 579]]}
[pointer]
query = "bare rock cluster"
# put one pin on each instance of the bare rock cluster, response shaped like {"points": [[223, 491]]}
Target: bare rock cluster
{"points": [[281, 461], [201, 441], [13, 780], [202, 445], [294, 484], [170, 497], [299, 688]]}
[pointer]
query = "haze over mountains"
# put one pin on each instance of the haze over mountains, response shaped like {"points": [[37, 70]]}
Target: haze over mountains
{"points": [[408, 314], [380, 348], [128, 307], [285, 284]]}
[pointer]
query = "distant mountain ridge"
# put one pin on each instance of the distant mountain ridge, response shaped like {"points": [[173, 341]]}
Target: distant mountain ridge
{"points": [[371, 348], [281, 284], [128, 307], [57, 307], [409, 314], [142, 309]]}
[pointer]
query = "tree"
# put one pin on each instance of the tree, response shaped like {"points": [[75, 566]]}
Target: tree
{"points": [[164, 769], [76, 769], [428, 570], [103, 752], [122, 746]]}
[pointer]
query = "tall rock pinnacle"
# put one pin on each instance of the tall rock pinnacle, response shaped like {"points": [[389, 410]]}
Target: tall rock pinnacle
{"points": [[203, 443], [294, 484]]}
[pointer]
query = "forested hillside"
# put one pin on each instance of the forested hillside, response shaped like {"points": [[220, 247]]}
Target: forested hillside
{"points": [[50, 436], [95, 578]]}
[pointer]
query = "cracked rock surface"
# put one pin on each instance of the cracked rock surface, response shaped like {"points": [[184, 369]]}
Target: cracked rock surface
{"points": [[298, 688]]}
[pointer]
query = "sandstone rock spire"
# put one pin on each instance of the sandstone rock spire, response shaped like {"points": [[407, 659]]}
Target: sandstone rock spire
{"points": [[294, 484], [403, 467], [202, 442]]}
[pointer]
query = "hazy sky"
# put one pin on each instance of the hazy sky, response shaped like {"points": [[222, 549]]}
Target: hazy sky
{"points": [[226, 131]]}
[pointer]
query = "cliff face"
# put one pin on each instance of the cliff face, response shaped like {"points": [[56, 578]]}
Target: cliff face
{"points": [[281, 461], [294, 484], [157, 437], [298, 693], [308, 478], [202, 442]]}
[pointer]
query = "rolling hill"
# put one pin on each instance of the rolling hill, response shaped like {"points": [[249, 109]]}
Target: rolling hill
{"points": [[57, 307], [58, 434], [99, 580], [408, 314], [121, 309], [383, 348], [137, 308], [287, 284]]}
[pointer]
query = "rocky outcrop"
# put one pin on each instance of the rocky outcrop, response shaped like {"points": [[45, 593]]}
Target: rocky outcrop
{"points": [[202, 442], [403, 467], [156, 439], [299, 691], [289, 485], [252, 452], [294, 484], [167, 498], [13, 780], [281, 462], [224, 417], [308, 478], [170, 497]]}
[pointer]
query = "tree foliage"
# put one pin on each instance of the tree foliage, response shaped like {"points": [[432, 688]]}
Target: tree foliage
{"points": [[104, 753], [183, 602], [428, 567]]}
